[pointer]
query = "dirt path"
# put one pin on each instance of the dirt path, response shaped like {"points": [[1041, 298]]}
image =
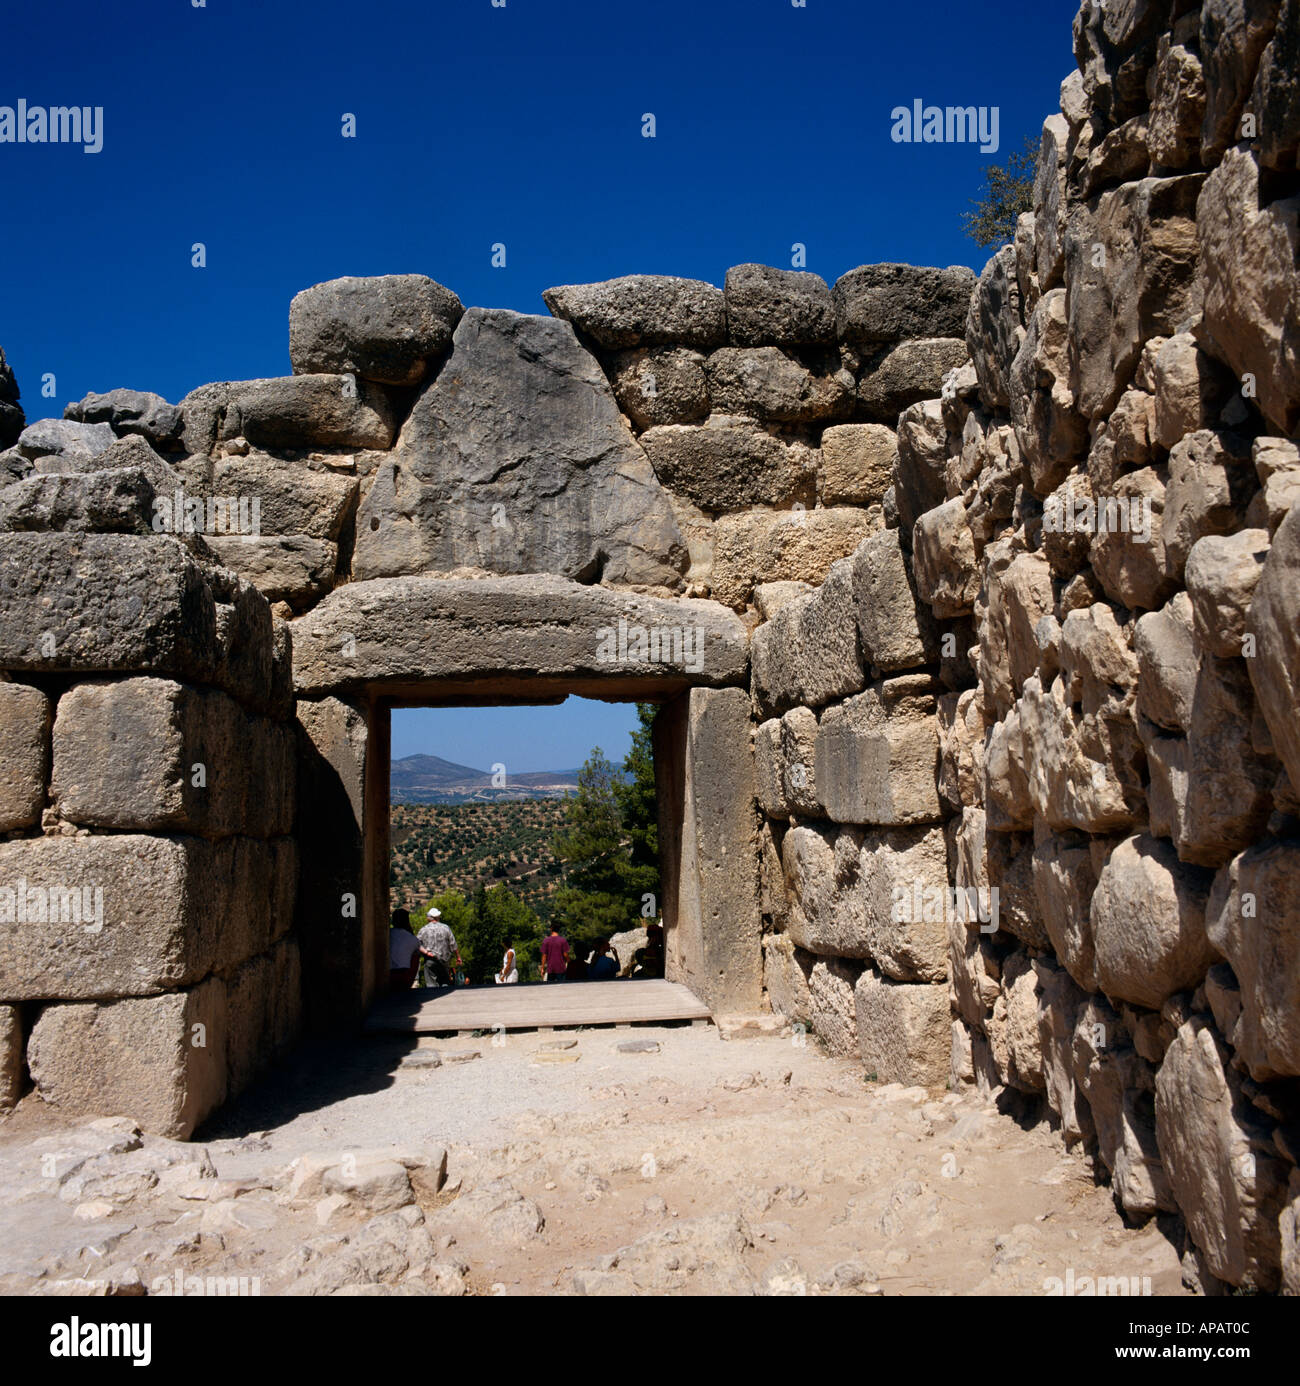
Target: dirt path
{"points": [[760, 1166]]}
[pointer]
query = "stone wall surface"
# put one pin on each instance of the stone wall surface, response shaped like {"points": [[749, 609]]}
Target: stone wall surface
{"points": [[974, 604], [1094, 535]]}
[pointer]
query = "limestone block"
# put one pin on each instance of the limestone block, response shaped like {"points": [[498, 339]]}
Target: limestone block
{"points": [[661, 385], [947, 571], [643, 310], [909, 373], [763, 546], [11, 1056], [1053, 436], [384, 327], [830, 985], [877, 755], [961, 748], [778, 307], [160, 1060], [766, 383], [729, 464], [1253, 919], [903, 1030], [857, 463], [1059, 1005], [395, 631], [785, 978], [1216, 1150], [920, 475], [548, 477], [126, 915], [1167, 664], [785, 751], [995, 323], [1274, 621], [293, 568], [147, 753], [808, 653], [1148, 923], [877, 305], [104, 603], [24, 754], [894, 626], [1210, 485]]}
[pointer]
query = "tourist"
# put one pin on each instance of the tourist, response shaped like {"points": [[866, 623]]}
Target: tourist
{"points": [[555, 955], [438, 945], [403, 953], [603, 965], [509, 972]]}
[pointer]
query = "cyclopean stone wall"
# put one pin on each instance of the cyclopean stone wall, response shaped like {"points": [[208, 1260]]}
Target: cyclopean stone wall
{"points": [[924, 666], [1110, 740]]}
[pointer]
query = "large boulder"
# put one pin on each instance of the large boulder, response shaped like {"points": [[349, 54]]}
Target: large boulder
{"points": [[878, 305], [1274, 622], [1148, 923], [130, 411], [661, 385], [1249, 250], [894, 626], [764, 546], [1222, 1167], [1131, 259], [808, 653], [383, 328], [857, 463], [778, 307], [730, 464], [1253, 919], [1232, 39], [643, 310], [911, 372], [515, 459], [903, 1031], [995, 327]]}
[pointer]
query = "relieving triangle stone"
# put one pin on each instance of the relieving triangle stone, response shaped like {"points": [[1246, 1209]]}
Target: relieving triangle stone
{"points": [[516, 459]]}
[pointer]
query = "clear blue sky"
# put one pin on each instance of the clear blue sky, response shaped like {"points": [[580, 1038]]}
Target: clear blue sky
{"points": [[475, 125], [520, 738]]}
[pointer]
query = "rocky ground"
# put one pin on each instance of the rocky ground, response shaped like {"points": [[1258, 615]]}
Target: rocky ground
{"points": [[647, 1159]]}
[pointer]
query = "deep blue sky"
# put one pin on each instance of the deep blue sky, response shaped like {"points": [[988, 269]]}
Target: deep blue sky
{"points": [[475, 125]]}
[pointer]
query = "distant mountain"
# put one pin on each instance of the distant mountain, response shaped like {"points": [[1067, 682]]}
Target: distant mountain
{"points": [[422, 779]]}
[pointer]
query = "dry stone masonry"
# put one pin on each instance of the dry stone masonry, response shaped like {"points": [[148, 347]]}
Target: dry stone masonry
{"points": [[974, 607]]}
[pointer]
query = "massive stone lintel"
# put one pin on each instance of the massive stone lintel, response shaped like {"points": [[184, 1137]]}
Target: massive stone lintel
{"points": [[404, 637]]}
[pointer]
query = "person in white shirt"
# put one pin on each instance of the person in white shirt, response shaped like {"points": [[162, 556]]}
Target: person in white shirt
{"points": [[403, 952], [509, 972]]}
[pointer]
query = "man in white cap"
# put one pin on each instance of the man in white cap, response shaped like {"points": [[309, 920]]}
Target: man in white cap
{"points": [[438, 945]]}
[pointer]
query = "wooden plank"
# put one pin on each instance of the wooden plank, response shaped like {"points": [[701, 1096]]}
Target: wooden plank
{"points": [[528, 1006]]}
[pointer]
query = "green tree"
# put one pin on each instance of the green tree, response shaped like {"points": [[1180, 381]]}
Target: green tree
{"points": [[610, 843], [1009, 191]]}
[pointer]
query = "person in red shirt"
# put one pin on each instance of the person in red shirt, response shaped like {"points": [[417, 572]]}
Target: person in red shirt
{"points": [[555, 955]]}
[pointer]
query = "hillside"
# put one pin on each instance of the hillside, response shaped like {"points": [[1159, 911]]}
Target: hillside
{"points": [[425, 779], [455, 846]]}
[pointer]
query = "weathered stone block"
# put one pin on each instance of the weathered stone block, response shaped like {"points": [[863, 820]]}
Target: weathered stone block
{"points": [[396, 632], [1167, 664], [1148, 923], [127, 915], [11, 1056], [24, 754], [768, 384], [104, 603], [661, 385], [808, 653], [382, 328], [878, 755], [293, 568], [160, 1060], [1274, 621], [830, 985], [729, 464], [547, 477], [785, 978], [894, 626], [778, 307], [762, 546], [643, 310], [903, 1030], [909, 373], [785, 753], [1217, 1152], [1253, 919], [857, 463], [944, 561], [152, 754], [876, 305]]}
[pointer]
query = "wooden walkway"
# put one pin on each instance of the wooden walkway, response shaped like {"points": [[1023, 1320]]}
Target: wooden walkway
{"points": [[534, 1005]]}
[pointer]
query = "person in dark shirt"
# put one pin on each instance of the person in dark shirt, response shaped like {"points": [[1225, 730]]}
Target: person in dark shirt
{"points": [[555, 955], [603, 966]]}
